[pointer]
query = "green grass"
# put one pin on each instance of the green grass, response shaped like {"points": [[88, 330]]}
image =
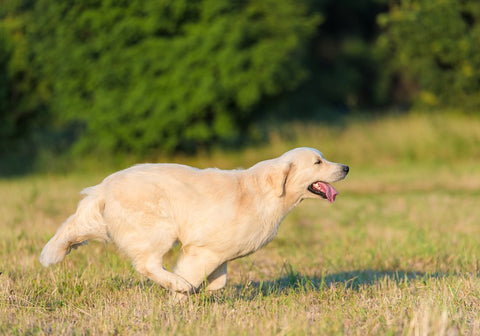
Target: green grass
{"points": [[397, 254]]}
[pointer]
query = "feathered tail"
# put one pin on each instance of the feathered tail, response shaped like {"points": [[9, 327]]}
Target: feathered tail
{"points": [[87, 223]]}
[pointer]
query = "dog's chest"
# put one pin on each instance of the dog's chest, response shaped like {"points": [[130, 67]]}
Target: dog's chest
{"points": [[255, 237]]}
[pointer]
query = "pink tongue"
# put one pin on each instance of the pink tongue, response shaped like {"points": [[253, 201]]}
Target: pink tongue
{"points": [[330, 191]]}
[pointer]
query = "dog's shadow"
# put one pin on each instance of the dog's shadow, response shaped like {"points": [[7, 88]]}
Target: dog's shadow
{"points": [[294, 282], [353, 280]]}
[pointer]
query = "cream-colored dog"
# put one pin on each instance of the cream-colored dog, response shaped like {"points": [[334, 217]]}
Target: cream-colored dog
{"points": [[216, 215]]}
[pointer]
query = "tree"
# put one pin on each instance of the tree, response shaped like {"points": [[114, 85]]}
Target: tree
{"points": [[143, 75], [434, 45], [22, 100]]}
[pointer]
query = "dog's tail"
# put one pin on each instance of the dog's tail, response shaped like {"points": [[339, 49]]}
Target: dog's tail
{"points": [[87, 223]]}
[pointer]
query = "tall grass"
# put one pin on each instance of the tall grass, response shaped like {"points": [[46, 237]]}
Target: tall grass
{"points": [[391, 139], [365, 142], [397, 254]]}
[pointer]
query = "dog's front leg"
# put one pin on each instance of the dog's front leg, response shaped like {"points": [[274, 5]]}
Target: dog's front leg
{"points": [[218, 279], [151, 267]]}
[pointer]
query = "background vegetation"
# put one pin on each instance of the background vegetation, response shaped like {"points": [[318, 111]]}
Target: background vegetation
{"points": [[142, 79]]}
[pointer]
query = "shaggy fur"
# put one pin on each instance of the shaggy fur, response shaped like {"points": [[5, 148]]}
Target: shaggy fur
{"points": [[217, 215]]}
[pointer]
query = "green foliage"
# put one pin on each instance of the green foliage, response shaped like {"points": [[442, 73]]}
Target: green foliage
{"points": [[21, 95], [435, 45], [142, 75], [145, 77]]}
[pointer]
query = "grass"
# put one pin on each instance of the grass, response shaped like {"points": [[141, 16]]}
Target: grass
{"points": [[397, 254]]}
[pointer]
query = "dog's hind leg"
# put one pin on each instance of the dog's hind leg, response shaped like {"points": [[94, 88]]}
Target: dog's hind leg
{"points": [[196, 265], [218, 278], [147, 258]]}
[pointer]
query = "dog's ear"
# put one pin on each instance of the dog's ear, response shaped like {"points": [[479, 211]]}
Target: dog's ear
{"points": [[278, 176]]}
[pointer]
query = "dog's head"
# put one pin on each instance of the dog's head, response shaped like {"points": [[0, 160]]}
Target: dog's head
{"points": [[305, 173]]}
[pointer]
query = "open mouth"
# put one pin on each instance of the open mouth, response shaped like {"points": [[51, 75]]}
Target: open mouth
{"points": [[324, 190]]}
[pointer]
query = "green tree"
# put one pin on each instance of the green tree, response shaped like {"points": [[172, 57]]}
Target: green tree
{"points": [[22, 100], [434, 46], [142, 75]]}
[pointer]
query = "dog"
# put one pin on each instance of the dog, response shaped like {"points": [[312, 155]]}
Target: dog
{"points": [[216, 215]]}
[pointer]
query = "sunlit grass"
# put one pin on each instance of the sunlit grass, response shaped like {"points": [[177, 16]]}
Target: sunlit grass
{"points": [[397, 254]]}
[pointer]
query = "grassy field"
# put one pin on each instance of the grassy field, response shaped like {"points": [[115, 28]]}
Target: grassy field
{"points": [[396, 254]]}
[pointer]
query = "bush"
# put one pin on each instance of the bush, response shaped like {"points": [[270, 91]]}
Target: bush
{"points": [[434, 46], [142, 75], [22, 100]]}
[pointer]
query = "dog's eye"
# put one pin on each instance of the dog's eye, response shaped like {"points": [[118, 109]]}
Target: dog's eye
{"points": [[318, 161]]}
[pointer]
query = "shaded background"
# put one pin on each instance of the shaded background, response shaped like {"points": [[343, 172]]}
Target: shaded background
{"points": [[145, 79]]}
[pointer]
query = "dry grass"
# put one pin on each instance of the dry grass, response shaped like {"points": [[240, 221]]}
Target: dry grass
{"points": [[397, 254]]}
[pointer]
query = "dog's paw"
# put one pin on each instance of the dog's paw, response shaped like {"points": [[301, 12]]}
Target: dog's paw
{"points": [[178, 298], [182, 286], [217, 284]]}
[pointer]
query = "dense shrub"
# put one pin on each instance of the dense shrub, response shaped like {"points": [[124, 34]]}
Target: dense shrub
{"points": [[22, 96], [143, 75], [435, 46]]}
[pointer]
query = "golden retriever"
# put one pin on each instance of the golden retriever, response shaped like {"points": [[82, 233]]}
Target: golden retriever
{"points": [[217, 215]]}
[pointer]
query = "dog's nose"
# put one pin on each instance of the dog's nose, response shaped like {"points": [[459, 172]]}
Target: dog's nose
{"points": [[346, 169]]}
